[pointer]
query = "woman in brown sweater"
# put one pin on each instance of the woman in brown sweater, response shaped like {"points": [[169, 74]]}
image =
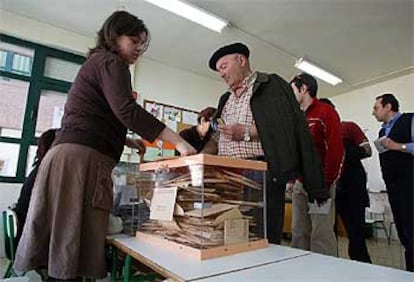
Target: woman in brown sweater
{"points": [[72, 195]]}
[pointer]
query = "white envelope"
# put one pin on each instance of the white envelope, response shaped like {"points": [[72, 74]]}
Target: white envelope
{"points": [[314, 208], [379, 146]]}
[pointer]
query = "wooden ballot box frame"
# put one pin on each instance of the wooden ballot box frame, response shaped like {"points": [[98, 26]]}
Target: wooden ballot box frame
{"points": [[215, 251]]}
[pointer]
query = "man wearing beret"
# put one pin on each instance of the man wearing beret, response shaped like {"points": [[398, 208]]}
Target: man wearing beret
{"points": [[262, 121]]}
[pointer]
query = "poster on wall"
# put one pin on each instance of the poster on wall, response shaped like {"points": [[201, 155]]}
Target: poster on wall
{"points": [[172, 114], [155, 109], [190, 117], [175, 118], [171, 124]]}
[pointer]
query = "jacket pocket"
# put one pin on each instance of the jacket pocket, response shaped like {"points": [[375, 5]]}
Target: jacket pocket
{"points": [[103, 194]]}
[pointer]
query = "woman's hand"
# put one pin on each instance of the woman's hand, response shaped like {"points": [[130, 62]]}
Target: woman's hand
{"points": [[136, 144], [185, 149]]}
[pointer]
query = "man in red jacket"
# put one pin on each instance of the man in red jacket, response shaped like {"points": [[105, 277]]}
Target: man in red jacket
{"points": [[313, 223]]}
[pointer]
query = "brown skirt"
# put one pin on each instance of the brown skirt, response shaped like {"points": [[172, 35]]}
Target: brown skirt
{"points": [[68, 214]]}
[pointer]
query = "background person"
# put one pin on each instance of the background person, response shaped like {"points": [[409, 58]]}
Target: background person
{"points": [[198, 135], [397, 166], [314, 229], [351, 191]]}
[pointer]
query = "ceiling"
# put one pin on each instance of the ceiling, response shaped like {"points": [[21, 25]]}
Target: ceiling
{"points": [[362, 41]]}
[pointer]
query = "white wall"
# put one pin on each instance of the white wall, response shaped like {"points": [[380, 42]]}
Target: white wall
{"points": [[165, 84]]}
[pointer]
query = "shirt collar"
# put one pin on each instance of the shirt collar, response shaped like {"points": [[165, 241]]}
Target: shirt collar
{"points": [[247, 82], [392, 121]]}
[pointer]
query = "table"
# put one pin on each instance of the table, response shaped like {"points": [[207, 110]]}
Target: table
{"points": [[178, 267], [275, 263], [315, 267]]}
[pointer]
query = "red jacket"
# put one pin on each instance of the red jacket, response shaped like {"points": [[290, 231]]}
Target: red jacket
{"points": [[325, 127]]}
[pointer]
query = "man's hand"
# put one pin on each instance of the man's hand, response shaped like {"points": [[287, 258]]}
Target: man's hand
{"points": [[289, 187], [391, 144], [234, 131], [321, 200]]}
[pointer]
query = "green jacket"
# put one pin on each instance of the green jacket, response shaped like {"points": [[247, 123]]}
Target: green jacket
{"points": [[284, 134]]}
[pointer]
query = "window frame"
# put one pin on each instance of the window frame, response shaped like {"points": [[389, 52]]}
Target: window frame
{"points": [[37, 82]]}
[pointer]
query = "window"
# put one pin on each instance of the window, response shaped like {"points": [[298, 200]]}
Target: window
{"points": [[34, 80], [51, 106], [16, 59], [12, 106]]}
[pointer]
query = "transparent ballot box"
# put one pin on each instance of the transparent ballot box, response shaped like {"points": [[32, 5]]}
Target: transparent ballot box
{"points": [[205, 206], [128, 184]]}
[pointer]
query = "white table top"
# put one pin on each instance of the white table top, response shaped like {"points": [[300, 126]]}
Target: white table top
{"points": [[188, 268], [317, 268]]}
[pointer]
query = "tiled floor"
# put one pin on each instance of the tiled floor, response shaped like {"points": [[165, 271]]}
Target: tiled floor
{"points": [[381, 253]]}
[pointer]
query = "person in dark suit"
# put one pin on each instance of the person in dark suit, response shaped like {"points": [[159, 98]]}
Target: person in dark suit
{"points": [[396, 152]]}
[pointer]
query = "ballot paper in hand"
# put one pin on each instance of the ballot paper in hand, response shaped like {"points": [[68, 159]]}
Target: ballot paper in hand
{"points": [[314, 208], [379, 146]]}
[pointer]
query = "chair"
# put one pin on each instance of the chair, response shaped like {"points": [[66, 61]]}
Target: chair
{"points": [[376, 213], [9, 233], [392, 222]]}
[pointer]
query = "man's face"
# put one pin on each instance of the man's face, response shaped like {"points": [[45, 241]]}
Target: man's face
{"points": [[230, 69], [299, 93], [381, 113]]}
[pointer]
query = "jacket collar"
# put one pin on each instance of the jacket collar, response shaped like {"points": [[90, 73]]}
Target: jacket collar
{"points": [[261, 78]]}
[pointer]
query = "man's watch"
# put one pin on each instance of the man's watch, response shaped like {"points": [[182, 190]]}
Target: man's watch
{"points": [[246, 136], [404, 147]]}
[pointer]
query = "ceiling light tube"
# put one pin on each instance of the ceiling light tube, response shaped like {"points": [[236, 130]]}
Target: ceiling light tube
{"points": [[192, 13], [314, 70]]}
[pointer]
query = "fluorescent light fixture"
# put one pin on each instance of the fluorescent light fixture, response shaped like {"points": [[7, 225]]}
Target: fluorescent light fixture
{"points": [[312, 69], [192, 13]]}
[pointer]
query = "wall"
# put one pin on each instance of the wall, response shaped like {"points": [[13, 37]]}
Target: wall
{"points": [[163, 83]]}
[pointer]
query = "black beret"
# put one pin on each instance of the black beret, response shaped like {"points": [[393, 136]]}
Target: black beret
{"points": [[235, 48]]}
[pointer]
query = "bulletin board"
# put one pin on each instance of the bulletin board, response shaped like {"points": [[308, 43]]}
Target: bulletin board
{"points": [[176, 118]]}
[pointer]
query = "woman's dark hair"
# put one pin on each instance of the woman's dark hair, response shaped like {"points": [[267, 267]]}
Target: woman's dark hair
{"points": [[43, 145], [117, 24], [206, 113]]}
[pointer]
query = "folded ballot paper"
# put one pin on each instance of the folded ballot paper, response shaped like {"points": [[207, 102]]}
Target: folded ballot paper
{"points": [[379, 146], [314, 208]]}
